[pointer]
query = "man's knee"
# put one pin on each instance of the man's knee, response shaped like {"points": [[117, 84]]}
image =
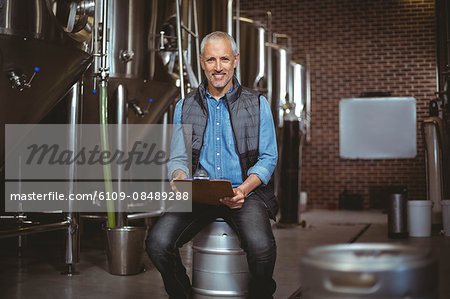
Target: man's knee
{"points": [[261, 247], [157, 244]]}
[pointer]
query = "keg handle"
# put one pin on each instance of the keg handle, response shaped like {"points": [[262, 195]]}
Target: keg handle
{"points": [[352, 283]]}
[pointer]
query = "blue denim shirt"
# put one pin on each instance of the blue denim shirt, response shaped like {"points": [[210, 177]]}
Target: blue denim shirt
{"points": [[218, 155]]}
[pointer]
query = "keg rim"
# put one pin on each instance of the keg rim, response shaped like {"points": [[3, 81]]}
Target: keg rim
{"points": [[363, 256]]}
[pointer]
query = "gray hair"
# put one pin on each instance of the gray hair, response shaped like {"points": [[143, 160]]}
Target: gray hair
{"points": [[217, 35]]}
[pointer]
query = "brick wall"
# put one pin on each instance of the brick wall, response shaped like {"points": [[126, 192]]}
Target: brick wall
{"points": [[358, 46]]}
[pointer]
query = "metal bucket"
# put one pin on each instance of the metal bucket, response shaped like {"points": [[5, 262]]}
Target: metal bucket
{"points": [[220, 267], [125, 249], [353, 271]]}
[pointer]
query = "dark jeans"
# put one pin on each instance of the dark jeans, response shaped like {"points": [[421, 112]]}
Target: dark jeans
{"points": [[252, 225]]}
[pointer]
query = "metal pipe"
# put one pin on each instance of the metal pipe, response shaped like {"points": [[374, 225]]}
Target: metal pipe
{"points": [[238, 37], [145, 215], [86, 216], [121, 97], [97, 53], [197, 43], [188, 30], [433, 162], [104, 60], [72, 236], [189, 43], [41, 228], [308, 100], [230, 17], [180, 50]]}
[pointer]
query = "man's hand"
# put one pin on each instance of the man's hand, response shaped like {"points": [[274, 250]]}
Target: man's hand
{"points": [[177, 175], [236, 201]]}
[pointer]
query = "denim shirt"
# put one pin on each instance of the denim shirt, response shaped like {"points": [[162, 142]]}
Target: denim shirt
{"points": [[218, 154]]}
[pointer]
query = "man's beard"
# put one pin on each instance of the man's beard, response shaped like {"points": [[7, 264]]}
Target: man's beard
{"points": [[219, 84]]}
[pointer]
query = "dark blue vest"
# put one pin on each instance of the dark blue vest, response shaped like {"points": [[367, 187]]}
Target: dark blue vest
{"points": [[243, 106]]}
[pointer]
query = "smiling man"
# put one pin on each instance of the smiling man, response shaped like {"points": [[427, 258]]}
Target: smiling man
{"points": [[233, 138]]}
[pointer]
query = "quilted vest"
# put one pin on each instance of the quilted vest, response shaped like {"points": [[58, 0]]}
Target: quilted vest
{"points": [[243, 106]]}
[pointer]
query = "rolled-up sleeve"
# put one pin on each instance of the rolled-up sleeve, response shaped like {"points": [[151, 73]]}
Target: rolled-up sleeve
{"points": [[178, 155], [268, 153]]}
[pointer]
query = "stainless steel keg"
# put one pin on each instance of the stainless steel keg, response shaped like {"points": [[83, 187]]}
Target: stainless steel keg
{"points": [[219, 264], [353, 271]]}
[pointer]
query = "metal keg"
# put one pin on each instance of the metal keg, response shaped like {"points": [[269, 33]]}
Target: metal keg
{"points": [[220, 267], [378, 270]]}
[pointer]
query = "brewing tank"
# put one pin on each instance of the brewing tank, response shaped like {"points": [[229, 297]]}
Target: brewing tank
{"points": [[129, 30], [298, 88], [33, 41], [253, 54], [213, 16], [278, 85]]}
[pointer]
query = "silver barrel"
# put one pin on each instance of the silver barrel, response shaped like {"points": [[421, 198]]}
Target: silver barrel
{"points": [[219, 265], [125, 250], [378, 270]]}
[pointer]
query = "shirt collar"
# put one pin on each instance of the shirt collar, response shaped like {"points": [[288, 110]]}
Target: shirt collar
{"points": [[210, 96]]}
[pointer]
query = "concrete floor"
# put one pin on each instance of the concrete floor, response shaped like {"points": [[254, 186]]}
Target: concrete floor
{"points": [[36, 274]]}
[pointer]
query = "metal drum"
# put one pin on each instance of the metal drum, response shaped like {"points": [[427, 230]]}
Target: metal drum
{"points": [[353, 271], [219, 265]]}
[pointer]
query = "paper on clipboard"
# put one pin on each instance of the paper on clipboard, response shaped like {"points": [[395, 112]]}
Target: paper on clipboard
{"points": [[206, 191]]}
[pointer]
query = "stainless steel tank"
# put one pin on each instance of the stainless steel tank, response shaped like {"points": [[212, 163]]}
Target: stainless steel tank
{"points": [[278, 85], [213, 16], [128, 46], [134, 61], [367, 270], [253, 54], [298, 88], [219, 264], [32, 41]]}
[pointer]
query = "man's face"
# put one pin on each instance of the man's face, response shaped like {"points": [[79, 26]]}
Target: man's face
{"points": [[218, 62]]}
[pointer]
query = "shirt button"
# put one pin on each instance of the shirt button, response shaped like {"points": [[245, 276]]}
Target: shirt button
{"points": [[218, 168], [218, 154], [218, 107], [217, 123], [218, 138]]}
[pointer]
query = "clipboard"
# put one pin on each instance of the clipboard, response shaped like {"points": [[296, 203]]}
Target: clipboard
{"points": [[206, 191]]}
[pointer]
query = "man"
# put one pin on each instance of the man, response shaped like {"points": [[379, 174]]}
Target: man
{"points": [[233, 138]]}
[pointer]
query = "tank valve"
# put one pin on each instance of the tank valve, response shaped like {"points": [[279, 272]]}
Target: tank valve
{"points": [[18, 80], [136, 108], [126, 56]]}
